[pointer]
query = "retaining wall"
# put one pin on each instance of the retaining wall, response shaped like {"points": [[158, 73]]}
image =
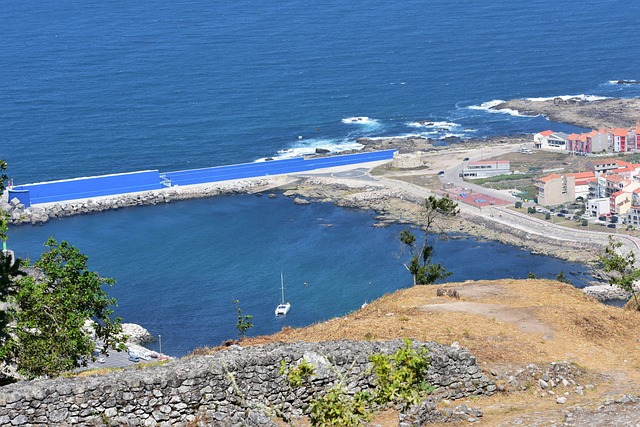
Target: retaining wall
{"points": [[237, 386]]}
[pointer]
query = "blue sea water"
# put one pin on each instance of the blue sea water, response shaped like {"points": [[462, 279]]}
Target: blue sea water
{"points": [[94, 87], [180, 266]]}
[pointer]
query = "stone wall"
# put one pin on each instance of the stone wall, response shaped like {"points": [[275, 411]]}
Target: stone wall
{"points": [[236, 386]]}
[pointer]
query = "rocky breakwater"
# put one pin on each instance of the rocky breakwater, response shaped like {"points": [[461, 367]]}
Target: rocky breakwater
{"points": [[41, 213], [236, 386]]}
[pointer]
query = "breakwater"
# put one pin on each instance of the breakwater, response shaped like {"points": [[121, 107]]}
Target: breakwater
{"points": [[237, 386], [135, 182], [39, 214]]}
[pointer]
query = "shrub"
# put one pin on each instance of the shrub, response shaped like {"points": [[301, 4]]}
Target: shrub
{"points": [[296, 376], [400, 377], [337, 408], [518, 204]]}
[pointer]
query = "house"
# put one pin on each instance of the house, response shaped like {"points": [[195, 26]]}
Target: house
{"points": [[556, 189], [601, 166], [599, 140], [621, 201], [633, 215], [619, 140], [599, 206], [582, 183], [485, 169], [614, 182], [550, 140]]}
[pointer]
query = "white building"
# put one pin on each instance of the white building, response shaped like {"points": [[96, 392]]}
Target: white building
{"points": [[550, 140], [597, 207], [486, 169]]}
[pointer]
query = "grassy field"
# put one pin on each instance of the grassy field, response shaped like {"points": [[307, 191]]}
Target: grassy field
{"points": [[508, 325]]}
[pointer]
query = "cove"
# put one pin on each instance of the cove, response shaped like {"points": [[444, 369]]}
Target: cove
{"points": [[179, 266]]}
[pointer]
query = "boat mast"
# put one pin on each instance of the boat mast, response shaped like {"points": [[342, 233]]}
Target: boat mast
{"points": [[282, 285]]}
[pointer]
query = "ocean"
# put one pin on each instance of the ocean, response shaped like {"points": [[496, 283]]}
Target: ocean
{"points": [[91, 88]]}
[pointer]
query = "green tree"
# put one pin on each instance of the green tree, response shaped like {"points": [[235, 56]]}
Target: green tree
{"points": [[421, 265], [244, 321], [10, 268], [621, 267], [561, 277], [50, 312]]}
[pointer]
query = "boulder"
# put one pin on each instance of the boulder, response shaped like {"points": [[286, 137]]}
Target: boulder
{"points": [[137, 334]]}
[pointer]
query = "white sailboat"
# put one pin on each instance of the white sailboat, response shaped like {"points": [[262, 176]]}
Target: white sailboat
{"points": [[283, 308]]}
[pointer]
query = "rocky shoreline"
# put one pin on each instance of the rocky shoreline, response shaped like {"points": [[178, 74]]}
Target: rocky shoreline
{"points": [[394, 206], [595, 114]]}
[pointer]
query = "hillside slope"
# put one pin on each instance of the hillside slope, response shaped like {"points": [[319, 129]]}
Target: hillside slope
{"points": [[519, 331]]}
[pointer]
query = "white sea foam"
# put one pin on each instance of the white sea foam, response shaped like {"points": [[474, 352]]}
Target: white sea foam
{"points": [[453, 135], [489, 107], [624, 82], [360, 120], [486, 105], [580, 97], [433, 124], [307, 147]]}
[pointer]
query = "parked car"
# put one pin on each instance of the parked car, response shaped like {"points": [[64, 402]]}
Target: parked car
{"points": [[611, 226], [561, 215], [466, 159], [613, 219], [134, 358], [564, 211], [441, 173], [602, 218]]}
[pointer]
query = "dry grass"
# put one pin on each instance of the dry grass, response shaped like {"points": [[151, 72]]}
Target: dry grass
{"points": [[506, 324]]}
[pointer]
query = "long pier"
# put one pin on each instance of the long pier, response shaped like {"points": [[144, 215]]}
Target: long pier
{"points": [[132, 182]]}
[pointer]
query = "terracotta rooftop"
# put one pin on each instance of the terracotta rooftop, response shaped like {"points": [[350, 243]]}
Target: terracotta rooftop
{"points": [[549, 177]]}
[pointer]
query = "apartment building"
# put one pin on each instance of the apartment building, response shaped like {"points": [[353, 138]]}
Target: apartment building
{"points": [[556, 189]]}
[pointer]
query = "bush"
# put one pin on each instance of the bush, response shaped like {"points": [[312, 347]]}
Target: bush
{"points": [[337, 408], [518, 204], [547, 216], [531, 210], [400, 377], [585, 222]]}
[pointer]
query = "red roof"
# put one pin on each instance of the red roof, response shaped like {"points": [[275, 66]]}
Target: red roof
{"points": [[549, 177], [619, 132], [546, 133], [582, 175]]}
